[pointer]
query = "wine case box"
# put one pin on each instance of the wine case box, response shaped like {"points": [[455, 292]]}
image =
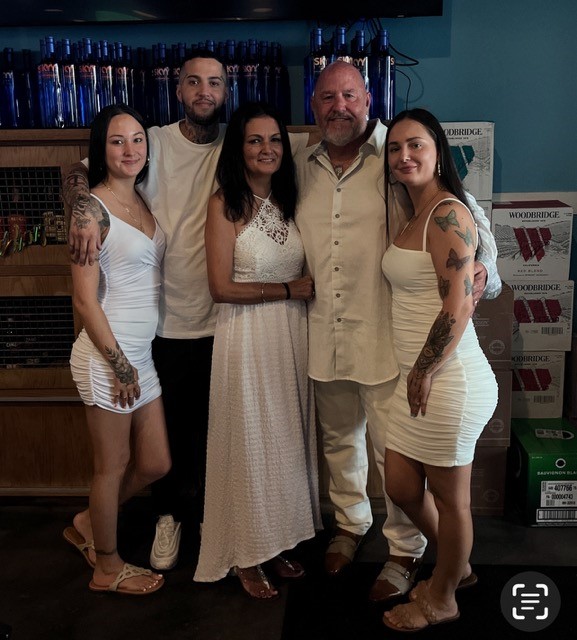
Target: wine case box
{"points": [[488, 481], [472, 147], [533, 239], [543, 313], [542, 471], [538, 380], [497, 432], [570, 404], [493, 321]]}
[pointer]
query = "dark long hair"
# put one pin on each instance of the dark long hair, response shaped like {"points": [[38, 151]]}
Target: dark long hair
{"points": [[449, 179], [230, 170], [97, 169]]}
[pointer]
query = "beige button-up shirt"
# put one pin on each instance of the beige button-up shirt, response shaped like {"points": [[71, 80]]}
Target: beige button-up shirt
{"points": [[344, 232], [343, 227]]}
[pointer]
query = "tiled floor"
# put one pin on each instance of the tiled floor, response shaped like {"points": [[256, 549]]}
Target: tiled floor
{"points": [[44, 594]]}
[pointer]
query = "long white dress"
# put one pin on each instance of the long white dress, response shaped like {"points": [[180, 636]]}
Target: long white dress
{"points": [[262, 484], [463, 391], [128, 293]]}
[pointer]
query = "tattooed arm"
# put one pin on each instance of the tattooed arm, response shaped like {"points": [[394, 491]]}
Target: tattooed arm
{"points": [[85, 280], [85, 223], [452, 239]]}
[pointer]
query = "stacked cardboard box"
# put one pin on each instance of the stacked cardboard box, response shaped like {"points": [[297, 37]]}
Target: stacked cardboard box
{"points": [[472, 147], [571, 361], [493, 320], [543, 471], [534, 246]]}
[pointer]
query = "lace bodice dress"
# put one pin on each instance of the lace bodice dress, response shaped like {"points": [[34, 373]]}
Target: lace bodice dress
{"points": [[261, 493]]}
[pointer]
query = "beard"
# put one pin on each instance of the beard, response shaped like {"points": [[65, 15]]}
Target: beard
{"points": [[202, 120], [340, 136]]}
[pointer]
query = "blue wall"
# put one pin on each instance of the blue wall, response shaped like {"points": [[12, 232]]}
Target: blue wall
{"points": [[508, 61]]}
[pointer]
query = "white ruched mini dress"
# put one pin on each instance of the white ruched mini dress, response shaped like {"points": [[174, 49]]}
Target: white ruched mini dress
{"points": [[463, 393], [261, 494], [128, 293]]}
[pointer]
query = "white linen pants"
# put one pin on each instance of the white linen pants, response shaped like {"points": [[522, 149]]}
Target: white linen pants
{"points": [[345, 409]]}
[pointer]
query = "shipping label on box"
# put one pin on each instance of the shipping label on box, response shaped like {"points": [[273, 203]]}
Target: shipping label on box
{"points": [[497, 432], [538, 378], [472, 148], [543, 471], [543, 313], [533, 239], [493, 322]]}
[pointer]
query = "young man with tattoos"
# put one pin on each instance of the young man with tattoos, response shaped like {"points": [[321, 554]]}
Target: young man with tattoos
{"points": [[345, 229], [447, 391], [111, 361], [180, 181]]}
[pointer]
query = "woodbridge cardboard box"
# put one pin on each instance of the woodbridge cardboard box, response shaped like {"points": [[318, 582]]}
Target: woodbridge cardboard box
{"points": [[543, 315], [543, 471], [472, 148], [493, 321], [533, 239], [538, 378]]}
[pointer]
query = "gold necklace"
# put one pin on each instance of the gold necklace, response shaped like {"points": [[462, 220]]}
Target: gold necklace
{"points": [[138, 221], [415, 217]]}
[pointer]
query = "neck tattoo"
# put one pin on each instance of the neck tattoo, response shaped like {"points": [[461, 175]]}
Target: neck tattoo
{"points": [[137, 221]]}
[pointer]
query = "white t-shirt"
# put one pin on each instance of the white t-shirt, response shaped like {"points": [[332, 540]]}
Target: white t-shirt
{"points": [[180, 180]]}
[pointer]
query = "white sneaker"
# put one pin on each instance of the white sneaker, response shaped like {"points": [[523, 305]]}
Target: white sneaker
{"points": [[164, 553]]}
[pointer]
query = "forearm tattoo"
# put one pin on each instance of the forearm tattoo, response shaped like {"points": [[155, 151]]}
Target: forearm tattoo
{"points": [[120, 365], [468, 286], [437, 341], [76, 194]]}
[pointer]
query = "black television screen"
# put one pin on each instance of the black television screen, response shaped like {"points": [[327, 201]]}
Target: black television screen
{"points": [[51, 12]]}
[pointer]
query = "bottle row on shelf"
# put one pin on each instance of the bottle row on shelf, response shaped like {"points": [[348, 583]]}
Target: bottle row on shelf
{"points": [[372, 58], [66, 83], [71, 81]]}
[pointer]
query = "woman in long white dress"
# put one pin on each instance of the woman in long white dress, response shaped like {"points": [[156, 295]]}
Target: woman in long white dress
{"points": [[261, 485], [446, 391]]}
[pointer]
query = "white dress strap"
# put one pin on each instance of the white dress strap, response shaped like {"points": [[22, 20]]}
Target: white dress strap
{"points": [[431, 213]]}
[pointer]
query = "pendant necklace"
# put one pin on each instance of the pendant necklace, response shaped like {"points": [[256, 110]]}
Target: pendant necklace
{"points": [[138, 221], [413, 220]]}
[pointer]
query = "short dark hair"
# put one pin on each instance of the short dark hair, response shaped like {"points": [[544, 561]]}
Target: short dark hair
{"points": [[230, 170], [97, 169], [207, 54]]}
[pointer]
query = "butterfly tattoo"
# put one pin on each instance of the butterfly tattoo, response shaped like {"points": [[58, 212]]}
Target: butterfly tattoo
{"points": [[448, 220], [454, 260], [468, 286], [444, 286], [467, 236]]}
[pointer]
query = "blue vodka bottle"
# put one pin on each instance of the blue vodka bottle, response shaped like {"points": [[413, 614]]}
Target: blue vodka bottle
{"points": [[314, 63], [88, 103], [68, 73], [8, 104]]}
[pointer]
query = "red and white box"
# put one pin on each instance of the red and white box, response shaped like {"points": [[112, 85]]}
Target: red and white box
{"points": [[538, 378], [543, 315], [533, 239]]}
